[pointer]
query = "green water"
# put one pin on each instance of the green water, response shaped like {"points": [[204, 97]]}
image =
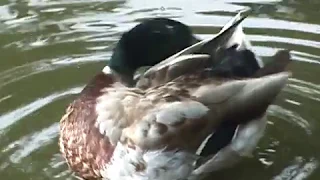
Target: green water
{"points": [[51, 48]]}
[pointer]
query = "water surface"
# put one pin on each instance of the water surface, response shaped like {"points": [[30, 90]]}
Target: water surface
{"points": [[51, 48]]}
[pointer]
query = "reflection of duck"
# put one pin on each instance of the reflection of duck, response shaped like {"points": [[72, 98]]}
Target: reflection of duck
{"points": [[185, 118]]}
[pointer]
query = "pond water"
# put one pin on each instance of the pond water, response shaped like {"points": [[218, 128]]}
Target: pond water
{"points": [[51, 48]]}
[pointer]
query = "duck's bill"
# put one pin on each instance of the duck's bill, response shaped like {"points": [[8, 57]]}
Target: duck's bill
{"points": [[243, 100]]}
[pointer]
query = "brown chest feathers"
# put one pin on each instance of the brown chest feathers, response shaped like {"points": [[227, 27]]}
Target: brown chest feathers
{"points": [[84, 148]]}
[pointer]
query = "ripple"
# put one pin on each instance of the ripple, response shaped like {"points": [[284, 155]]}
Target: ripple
{"points": [[291, 117], [5, 98], [6, 13], [20, 72], [286, 40], [30, 18], [53, 10], [305, 57], [11, 117], [305, 89], [293, 102], [41, 3], [299, 170], [253, 22], [32, 142]]}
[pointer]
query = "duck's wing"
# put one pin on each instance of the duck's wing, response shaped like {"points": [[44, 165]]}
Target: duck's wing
{"points": [[244, 123], [181, 118], [169, 123], [174, 68], [234, 62]]}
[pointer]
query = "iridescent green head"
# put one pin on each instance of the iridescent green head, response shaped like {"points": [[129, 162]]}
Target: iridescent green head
{"points": [[149, 43]]}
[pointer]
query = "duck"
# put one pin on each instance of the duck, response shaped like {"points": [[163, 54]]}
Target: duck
{"points": [[200, 106]]}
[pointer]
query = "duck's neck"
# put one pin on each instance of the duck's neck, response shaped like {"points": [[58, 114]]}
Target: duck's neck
{"points": [[104, 79], [97, 83], [100, 81], [124, 78]]}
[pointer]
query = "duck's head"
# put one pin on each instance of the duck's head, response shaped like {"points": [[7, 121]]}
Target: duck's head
{"points": [[149, 43]]}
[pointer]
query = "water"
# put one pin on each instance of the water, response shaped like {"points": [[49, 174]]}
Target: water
{"points": [[51, 48]]}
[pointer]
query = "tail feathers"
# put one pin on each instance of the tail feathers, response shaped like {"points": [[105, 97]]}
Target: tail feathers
{"points": [[278, 64], [238, 36], [230, 35]]}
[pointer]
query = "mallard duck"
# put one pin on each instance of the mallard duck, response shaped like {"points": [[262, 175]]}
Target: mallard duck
{"points": [[184, 117]]}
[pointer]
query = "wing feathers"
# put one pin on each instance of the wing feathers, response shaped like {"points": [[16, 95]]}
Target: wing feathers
{"points": [[170, 125], [181, 65], [242, 99]]}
